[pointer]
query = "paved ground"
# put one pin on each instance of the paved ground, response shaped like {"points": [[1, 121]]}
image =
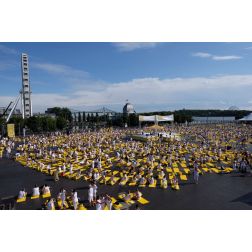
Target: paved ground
{"points": [[233, 191]]}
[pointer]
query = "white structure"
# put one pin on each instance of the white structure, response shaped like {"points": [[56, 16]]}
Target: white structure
{"points": [[128, 109], [26, 103], [213, 119], [156, 118], [247, 118]]}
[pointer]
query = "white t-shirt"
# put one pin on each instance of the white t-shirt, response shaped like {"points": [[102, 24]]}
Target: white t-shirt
{"points": [[35, 191], [21, 194]]}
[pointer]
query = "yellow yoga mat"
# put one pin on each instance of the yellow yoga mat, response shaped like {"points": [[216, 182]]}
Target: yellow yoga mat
{"points": [[169, 169], [183, 177], [113, 200], [154, 185], [21, 200], [210, 164], [143, 201], [176, 170], [132, 184], [35, 197], [215, 170], [183, 165], [46, 195], [187, 170]]}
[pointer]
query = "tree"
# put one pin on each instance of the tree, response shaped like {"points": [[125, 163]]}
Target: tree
{"points": [[88, 118], [62, 112], [96, 119], [61, 123], [35, 124], [79, 117]]}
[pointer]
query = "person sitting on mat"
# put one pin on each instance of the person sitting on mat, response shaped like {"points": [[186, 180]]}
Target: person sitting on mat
{"points": [[151, 181], [124, 178], [142, 181], [127, 197], [46, 189], [35, 191], [99, 204], [62, 197], [112, 180], [22, 194], [137, 195], [164, 182], [108, 202], [50, 204]]}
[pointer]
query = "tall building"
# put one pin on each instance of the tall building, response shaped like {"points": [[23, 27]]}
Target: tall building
{"points": [[26, 102]]}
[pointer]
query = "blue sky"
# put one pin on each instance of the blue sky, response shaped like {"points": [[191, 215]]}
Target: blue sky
{"points": [[152, 76]]}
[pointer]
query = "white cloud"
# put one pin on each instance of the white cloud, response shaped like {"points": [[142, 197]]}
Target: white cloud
{"points": [[202, 55], [216, 57], [227, 57], [131, 46], [152, 94], [248, 48], [60, 70], [7, 50]]}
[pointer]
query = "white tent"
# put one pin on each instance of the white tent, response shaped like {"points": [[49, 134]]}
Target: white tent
{"points": [[156, 118], [247, 118]]}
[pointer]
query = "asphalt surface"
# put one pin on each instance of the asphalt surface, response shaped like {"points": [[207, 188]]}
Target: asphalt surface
{"points": [[214, 191]]}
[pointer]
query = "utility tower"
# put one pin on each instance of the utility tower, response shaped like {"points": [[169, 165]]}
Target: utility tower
{"points": [[26, 102]]}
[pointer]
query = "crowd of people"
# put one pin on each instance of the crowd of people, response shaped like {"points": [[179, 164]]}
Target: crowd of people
{"points": [[64, 200], [108, 157], [111, 156]]}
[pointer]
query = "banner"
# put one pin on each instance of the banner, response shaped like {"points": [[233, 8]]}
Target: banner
{"points": [[11, 130], [147, 118], [156, 118], [165, 118]]}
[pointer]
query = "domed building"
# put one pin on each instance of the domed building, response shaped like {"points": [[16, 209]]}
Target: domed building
{"points": [[128, 109]]}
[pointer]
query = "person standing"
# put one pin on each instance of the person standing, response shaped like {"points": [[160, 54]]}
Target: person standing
{"points": [[62, 197], [75, 199], [196, 173], [95, 190], [56, 175], [91, 194]]}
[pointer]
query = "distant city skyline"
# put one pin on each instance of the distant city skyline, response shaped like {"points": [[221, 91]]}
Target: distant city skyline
{"points": [[151, 76]]}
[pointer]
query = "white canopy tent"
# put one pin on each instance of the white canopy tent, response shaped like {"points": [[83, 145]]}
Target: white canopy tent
{"points": [[156, 118], [247, 118]]}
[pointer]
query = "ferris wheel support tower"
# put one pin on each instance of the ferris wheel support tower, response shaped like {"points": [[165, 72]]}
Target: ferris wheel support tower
{"points": [[26, 102]]}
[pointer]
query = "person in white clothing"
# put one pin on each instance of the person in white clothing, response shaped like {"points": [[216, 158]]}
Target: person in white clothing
{"points": [[91, 194], [75, 199], [46, 189], [21, 194], [95, 190], [35, 191], [99, 204]]}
